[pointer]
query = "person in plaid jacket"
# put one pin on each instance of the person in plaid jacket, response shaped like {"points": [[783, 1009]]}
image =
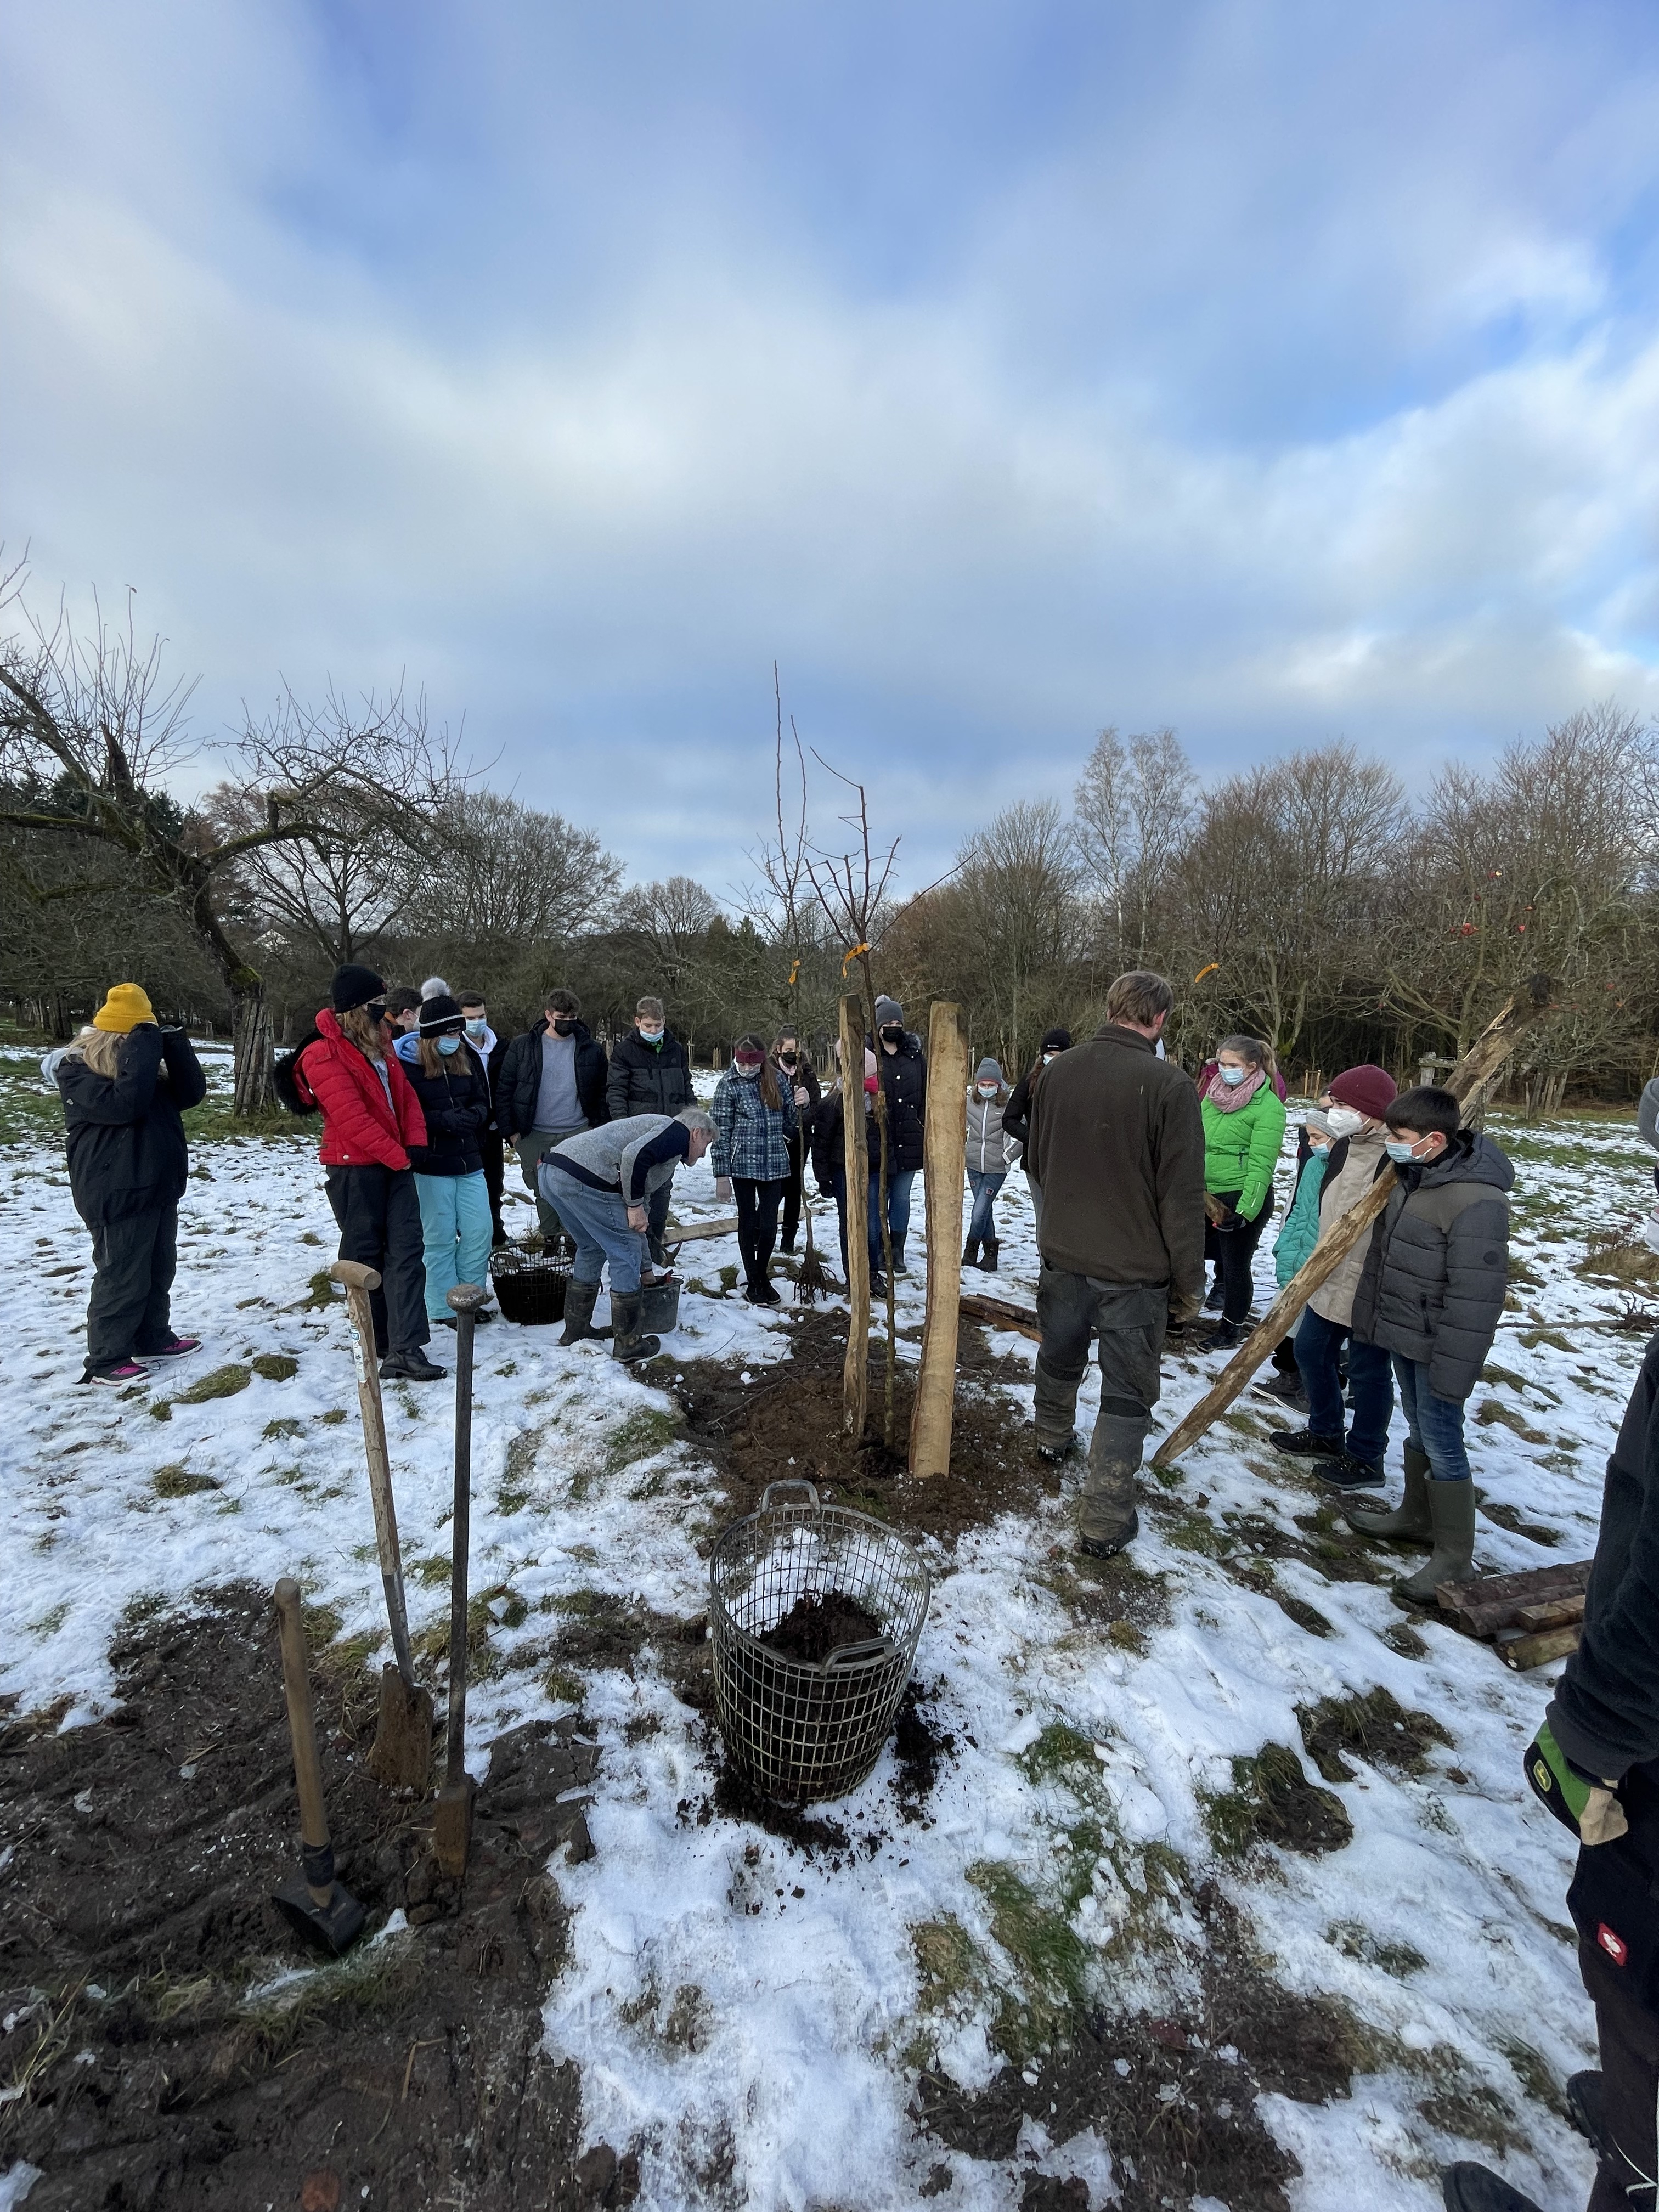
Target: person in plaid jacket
{"points": [[754, 1119]]}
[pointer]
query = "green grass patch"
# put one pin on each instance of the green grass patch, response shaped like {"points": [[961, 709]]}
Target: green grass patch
{"points": [[1372, 1725], [1050, 1962], [642, 1434], [223, 1382], [178, 1481], [275, 1431], [274, 1366], [1273, 1802], [321, 1293], [513, 1493], [333, 1417]]}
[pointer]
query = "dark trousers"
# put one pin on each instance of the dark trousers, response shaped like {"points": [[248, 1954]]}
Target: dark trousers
{"points": [[757, 1222], [1629, 2037], [656, 1219], [1233, 1250], [1371, 1370], [380, 1218], [1128, 1321], [129, 1311], [792, 1189], [494, 1169]]}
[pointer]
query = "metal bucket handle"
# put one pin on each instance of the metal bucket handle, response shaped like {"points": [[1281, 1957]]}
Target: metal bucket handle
{"points": [[789, 1482], [850, 1654]]}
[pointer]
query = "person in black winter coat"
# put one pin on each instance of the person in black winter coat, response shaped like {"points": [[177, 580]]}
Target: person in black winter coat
{"points": [[795, 1072], [901, 1067], [490, 1052], [449, 1086], [650, 1073], [125, 1086], [552, 1086]]}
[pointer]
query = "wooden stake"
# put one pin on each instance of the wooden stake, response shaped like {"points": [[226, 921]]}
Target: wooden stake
{"points": [[945, 1137], [1471, 1075], [855, 1376]]}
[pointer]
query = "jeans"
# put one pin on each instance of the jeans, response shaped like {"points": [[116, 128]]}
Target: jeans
{"points": [[380, 1218], [1435, 1424], [1318, 1341], [129, 1311], [898, 1212], [757, 1222], [597, 1220], [456, 1228], [1233, 1251], [982, 1222], [530, 1147]]}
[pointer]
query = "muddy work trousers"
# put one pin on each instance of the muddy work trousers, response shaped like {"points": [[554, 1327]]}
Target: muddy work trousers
{"points": [[1127, 1322]]}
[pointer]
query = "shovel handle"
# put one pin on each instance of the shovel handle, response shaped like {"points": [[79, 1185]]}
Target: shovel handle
{"points": [[464, 1301], [359, 1281], [316, 1851]]}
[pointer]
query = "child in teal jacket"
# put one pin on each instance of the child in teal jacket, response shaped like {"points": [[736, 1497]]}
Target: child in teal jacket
{"points": [[1300, 1232]]}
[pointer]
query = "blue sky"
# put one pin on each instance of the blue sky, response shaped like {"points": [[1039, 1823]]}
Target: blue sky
{"points": [[1280, 372]]}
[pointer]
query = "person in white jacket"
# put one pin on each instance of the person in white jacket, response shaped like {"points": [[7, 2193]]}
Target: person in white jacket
{"points": [[991, 1153]]}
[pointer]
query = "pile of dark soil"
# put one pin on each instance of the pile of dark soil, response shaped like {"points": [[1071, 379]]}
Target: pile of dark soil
{"points": [[136, 1935], [1174, 2098], [815, 1625], [786, 1424]]}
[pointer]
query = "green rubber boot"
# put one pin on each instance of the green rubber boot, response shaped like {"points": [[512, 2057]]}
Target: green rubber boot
{"points": [[580, 1300], [1451, 1512], [1410, 1518], [628, 1343]]}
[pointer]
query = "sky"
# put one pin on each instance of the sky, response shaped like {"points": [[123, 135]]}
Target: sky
{"points": [[1278, 371]]}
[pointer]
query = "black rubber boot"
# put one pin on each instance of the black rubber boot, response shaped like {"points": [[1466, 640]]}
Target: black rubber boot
{"points": [[626, 1341], [989, 1262], [580, 1300], [970, 1253], [1410, 1518], [1451, 1523], [1466, 2187]]}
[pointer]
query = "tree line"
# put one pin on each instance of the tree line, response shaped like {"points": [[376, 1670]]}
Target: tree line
{"points": [[1314, 900]]}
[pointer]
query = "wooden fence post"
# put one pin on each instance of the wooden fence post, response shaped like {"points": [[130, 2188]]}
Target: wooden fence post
{"points": [[855, 1374], [944, 1140], [1472, 1073]]}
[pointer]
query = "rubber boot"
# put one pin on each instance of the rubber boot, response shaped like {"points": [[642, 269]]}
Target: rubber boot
{"points": [[1466, 2187], [970, 1253], [989, 1262], [580, 1300], [626, 1341], [1107, 1519], [1451, 1516], [1410, 1518]]}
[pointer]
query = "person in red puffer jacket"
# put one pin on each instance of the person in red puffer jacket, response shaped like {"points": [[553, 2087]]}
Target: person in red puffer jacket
{"points": [[371, 1119]]}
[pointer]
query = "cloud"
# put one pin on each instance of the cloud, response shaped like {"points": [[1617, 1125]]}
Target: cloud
{"points": [[1263, 383]]}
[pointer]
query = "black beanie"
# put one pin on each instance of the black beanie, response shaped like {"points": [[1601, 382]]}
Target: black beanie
{"points": [[440, 1012], [354, 987], [1056, 1041]]}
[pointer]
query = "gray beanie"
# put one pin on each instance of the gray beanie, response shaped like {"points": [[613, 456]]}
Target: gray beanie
{"points": [[888, 1012], [989, 1071]]}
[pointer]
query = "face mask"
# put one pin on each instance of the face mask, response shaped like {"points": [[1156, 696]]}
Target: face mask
{"points": [[987, 1089], [564, 1027], [788, 1059], [893, 1034], [1345, 1121], [1047, 1056], [1318, 1144], [448, 1044], [1231, 1075], [748, 1065], [377, 1011], [476, 1028], [1400, 1151], [650, 1037]]}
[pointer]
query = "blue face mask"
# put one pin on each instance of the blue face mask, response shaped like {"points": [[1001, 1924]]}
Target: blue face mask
{"points": [[448, 1044], [1399, 1150], [1231, 1075]]}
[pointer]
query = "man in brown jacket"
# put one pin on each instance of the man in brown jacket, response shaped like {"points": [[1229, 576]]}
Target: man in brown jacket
{"points": [[1117, 1145]]}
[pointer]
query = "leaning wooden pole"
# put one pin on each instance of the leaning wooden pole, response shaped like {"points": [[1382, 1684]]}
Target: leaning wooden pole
{"points": [[944, 1140], [855, 1376], [1471, 1075]]}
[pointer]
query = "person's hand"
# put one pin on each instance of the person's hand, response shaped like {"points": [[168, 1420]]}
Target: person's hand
{"points": [[723, 1189], [1228, 1223], [1602, 1820], [637, 1218], [803, 1096], [1214, 1211], [1185, 1306]]}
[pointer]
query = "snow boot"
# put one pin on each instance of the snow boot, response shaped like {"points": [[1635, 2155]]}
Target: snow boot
{"points": [[1410, 1518], [1466, 2187], [1225, 1336], [989, 1262], [970, 1253], [580, 1300], [1451, 1520], [626, 1341], [1286, 1384], [1302, 1443], [899, 1267], [412, 1366]]}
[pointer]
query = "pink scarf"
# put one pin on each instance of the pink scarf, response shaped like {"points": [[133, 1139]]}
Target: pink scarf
{"points": [[1227, 1099]]}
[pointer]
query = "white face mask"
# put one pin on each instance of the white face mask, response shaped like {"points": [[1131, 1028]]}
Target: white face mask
{"points": [[1343, 1121], [476, 1026], [1231, 1075], [987, 1089]]}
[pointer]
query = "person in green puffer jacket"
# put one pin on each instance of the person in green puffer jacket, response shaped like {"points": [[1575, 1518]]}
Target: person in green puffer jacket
{"points": [[1244, 1128]]}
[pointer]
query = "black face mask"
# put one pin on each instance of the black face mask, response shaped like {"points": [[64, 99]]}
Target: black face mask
{"points": [[892, 1035], [564, 1028], [788, 1059], [377, 1011]]}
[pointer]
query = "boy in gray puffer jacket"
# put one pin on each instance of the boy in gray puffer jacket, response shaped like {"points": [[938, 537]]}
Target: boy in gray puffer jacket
{"points": [[1430, 1293]]}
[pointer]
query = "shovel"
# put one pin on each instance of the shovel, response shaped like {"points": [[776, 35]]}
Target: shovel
{"points": [[312, 1901], [402, 1757], [452, 1830]]}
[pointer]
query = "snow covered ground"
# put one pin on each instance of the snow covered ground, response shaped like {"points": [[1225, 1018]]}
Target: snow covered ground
{"points": [[752, 2018]]}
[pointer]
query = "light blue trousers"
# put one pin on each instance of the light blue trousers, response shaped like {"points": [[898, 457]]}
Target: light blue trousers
{"points": [[457, 1230]]}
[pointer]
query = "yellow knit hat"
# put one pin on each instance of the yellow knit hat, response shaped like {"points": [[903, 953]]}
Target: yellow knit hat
{"points": [[127, 1005]]}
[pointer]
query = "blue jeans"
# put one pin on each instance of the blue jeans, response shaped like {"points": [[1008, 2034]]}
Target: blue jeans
{"points": [[898, 1212], [982, 1222], [456, 1232], [1436, 1425], [597, 1220], [1369, 1373]]}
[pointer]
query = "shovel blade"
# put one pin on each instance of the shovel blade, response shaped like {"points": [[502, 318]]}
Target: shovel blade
{"points": [[452, 1827], [333, 1927], [402, 1754]]}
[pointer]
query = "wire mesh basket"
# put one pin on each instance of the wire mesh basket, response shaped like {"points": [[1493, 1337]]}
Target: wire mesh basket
{"points": [[531, 1280], [798, 1729]]}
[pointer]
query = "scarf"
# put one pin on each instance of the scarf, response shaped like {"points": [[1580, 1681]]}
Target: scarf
{"points": [[1227, 1099]]}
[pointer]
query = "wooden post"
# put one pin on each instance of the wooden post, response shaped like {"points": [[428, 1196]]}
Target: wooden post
{"points": [[1477, 1067], [944, 1139], [855, 1375]]}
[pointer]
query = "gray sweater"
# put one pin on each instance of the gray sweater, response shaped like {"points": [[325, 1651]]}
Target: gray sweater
{"points": [[606, 1158]]}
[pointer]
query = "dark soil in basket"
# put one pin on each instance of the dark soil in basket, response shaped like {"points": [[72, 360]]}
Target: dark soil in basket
{"points": [[786, 1424], [815, 1625], [136, 1935]]}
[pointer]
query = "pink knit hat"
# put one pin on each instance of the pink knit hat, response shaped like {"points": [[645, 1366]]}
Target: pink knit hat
{"points": [[1369, 1090]]}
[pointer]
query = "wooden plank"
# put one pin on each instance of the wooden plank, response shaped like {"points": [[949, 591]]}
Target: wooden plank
{"points": [[1523, 1652], [944, 1140], [1556, 1613], [1477, 1067], [1486, 1603], [695, 1231], [1001, 1313], [855, 1371]]}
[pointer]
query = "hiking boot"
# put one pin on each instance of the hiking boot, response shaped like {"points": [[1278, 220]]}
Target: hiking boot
{"points": [[1108, 1548], [761, 1293], [970, 1253], [1451, 1528], [1466, 2187], [627, 1343], [1302, 1443], [176, 1347], [1286, 1385], [1225, 1336], [1343, 1471], [580, 1300], [117, 1373], [989, 1262], [1052, 1450], [411, 1367], [1587, 2108], [1410, 1518]]}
